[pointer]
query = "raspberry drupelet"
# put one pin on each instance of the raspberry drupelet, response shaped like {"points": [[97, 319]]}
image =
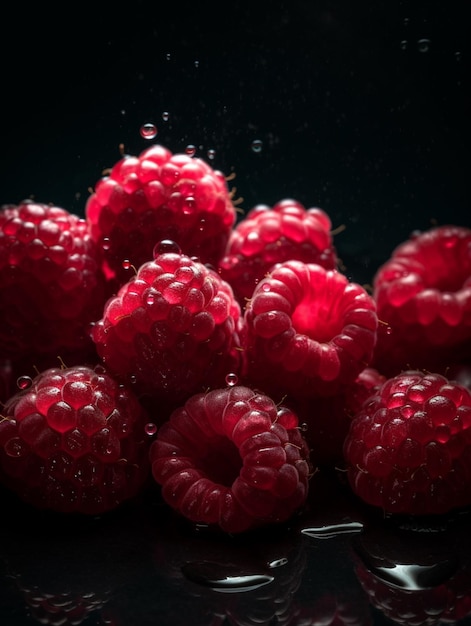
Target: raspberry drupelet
{"points": [[309, 331], [269, 235], [423, 297], [232, 459], [160, 195], [408, 450], [74, 441]]}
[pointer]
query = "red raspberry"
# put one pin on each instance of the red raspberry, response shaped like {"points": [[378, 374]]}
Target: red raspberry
{"points": [[266, 236], [159, 195], [51, 287], [74, 441], [309, 331], [172, 329], [408, 450], [423, 296], [231, 458]]}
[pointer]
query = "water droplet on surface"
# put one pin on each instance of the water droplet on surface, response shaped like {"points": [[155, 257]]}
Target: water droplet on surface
{"points": [[148, 131], [190, 150], [165, 116], [189, 205], [224, 577], [265, 287], [232, 380], [257, 146], [332, 530], [278, 563], [423, 45], [150, 429], [150, 299], [24, 382], [211, 153], [166, 245]]}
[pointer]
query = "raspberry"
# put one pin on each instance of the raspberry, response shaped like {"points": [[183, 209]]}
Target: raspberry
{"points": [[408, 450], [423, 296], [266, 236], [51, 287], [309, 331], [159, 195], [74, 441], [231, 458], [172, 329]]}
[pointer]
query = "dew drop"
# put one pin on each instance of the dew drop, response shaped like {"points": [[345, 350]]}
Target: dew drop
{"points": [[165, 116], [211, 154], [148, 131], [423, 45], [150, 429], [257, 146], [106, 243], [166, 245], [24, 382], [190, 150], [232, 379]]}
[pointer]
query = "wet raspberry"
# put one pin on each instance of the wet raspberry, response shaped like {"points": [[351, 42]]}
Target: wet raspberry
{"points": [[51, 286], [269, 235], [159, 195], [309, 331], [408, 450], [231, 458], [423, 296], [172, 330], [74, 441]]}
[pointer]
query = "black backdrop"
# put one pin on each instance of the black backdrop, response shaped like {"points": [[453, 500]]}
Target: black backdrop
{"points": [[362, 107]]}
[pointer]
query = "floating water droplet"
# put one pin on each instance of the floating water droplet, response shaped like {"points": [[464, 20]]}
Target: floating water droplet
{"points": [[197, 63], [211, 153], [168, 56], [257, 146], [388, 330], [126, 264], [232, 379], [166, 245], [148, 131], [106, 243], [133, 379], [423, 45], [458, 55], [403, 44], [150, 429], [224, 577], [406, 21], [24, 382], [332, 530], [304, 427], [165, 116], [190, 150]]}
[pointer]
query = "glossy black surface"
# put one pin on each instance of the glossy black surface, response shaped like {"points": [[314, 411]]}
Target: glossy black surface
{"points": [[363, 111]]}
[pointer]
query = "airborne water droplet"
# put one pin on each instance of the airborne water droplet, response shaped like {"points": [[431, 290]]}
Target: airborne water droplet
{"points": [[106, 243], [165, 116], [24, 382], [190, 150], [211, 153], [148, 131], [232, 379], [150, 429], [423, 45], [257, 146]]}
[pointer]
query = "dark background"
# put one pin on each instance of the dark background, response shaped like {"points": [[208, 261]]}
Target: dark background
{"points": [[362, 107]]}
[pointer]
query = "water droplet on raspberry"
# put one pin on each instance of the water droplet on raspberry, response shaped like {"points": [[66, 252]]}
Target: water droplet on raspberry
{"points": [[165, 116], [211, 154], [189, 205], [148, 131], [150, 299], [190, 150], [150, 429], [257, 146], [15, 447], [106, 243], [24, 382], [232, 379], [165, 246], [278, 562], [265, 287]]}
